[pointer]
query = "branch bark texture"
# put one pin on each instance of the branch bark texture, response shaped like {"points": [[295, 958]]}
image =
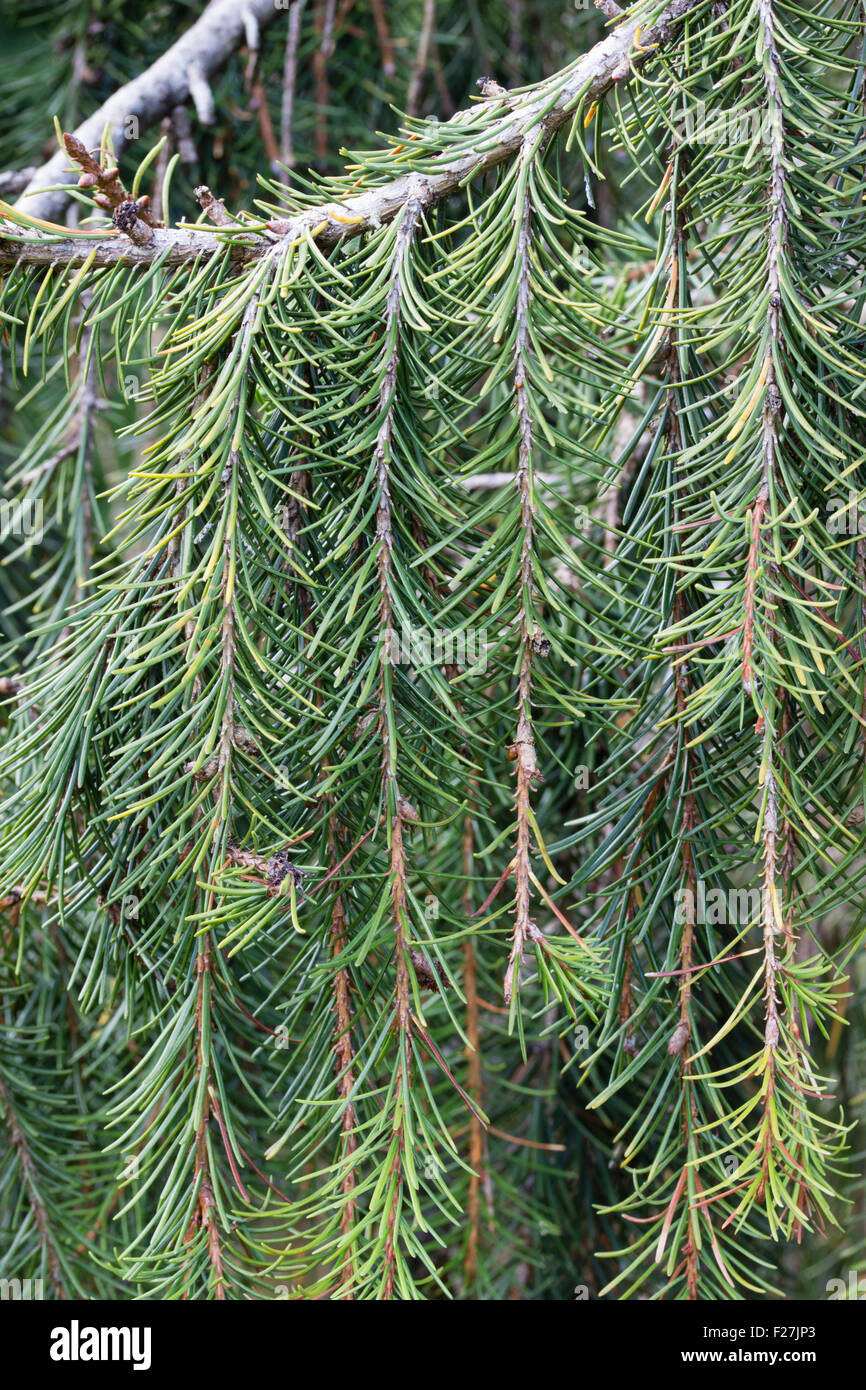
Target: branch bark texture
{"points": [[629, 46], [168, 83]]}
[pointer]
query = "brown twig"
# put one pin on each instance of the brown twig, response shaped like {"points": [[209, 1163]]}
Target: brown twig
{"points": [[523, 748], [110, 192], [385, 44], [323, 90], [422, 58], [31, 1183]]}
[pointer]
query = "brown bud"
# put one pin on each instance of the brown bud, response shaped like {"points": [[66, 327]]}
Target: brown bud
{"points": [[678, 1039], [125, 215], [74, 147], [125, 219], [428, 976]]}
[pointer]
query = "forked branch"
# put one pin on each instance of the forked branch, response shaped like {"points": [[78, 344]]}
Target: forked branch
{"points": [[628, 47]]}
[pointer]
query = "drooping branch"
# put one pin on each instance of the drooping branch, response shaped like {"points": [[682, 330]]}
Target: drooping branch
{"points": [[524, 747], [395, 809], [30, 1179], [629, 46], [167, 83]]}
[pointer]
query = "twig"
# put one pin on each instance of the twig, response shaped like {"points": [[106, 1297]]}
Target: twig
{"points": [[259, 104], [111, 193], [609, 8], [515, 39], [328, 27], [385, 44], [524, 746], [214, 207], [290, 79], [182, 129], [181, 72], [253, 39], [422, 56], [594, 74], [32, 1185]]}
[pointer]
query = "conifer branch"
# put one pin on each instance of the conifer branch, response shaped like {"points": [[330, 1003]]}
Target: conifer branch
{"points": [[340, 552], [631, 45], [30, 1176], [525, 754], [169, 83], [393, 803]]}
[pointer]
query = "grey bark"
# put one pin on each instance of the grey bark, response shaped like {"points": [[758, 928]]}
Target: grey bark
{"points": [[168, 83], [595, 73]]}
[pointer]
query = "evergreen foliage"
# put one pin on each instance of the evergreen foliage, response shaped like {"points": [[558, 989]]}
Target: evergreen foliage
{"points": [[431, 851]]}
